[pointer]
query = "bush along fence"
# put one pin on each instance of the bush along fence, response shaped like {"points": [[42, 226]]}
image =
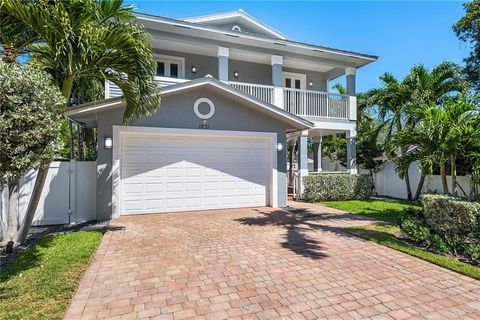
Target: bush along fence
{"points": [[446, 224], [325, 187]]}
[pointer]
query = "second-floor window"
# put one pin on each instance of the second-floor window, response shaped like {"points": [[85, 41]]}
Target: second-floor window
{"points": [[171, 67]]}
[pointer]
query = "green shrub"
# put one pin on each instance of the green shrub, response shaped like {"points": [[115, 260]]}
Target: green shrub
{"points": [[440, 243], [415, 229], [328, 187], [472, 252], [454, 218], [446, 224]]}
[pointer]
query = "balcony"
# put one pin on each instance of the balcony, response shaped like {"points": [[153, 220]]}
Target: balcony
{"points": [[304, 103]]}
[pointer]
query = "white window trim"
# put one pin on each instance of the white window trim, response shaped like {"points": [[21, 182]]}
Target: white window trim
{"points": [[118, 131], [166, 59], [302, 76]]}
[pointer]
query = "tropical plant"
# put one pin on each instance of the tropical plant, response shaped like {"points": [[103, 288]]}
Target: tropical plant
{"points": [[390, 103], [84, 39], [29, 126], [396, 103], [443, 134]]}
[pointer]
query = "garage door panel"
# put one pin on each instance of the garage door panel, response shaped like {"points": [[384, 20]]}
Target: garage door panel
{"points": [[154, 187], [161, 174]]}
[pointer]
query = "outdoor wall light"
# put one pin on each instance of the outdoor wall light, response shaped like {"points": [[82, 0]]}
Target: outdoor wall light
{"points": [[279, 147], [108, 143], [194, 69], [310, 84], [235, 74]]}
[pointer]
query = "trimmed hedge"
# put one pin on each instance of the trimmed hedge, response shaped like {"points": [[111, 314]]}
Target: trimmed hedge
{"points": [[327, 187], [452, 217], [447, 224]]}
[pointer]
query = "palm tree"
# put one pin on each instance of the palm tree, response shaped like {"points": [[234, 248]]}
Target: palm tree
{"points": [[83, 39], [397, 99], [391, 105], [442, 134], [462, 120]]}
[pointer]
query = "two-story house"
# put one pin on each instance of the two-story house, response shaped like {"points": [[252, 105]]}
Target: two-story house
{"points": [[235, 94]]}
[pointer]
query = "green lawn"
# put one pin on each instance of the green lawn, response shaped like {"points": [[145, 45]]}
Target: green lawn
{"points": [[40, 283], [386, 235], [379, 209]]}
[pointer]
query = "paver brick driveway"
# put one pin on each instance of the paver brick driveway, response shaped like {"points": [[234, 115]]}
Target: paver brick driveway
{"points": [[261, 263]]}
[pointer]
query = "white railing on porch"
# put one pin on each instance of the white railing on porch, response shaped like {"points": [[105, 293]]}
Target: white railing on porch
{"points": [[259, 91], [316, 103], [305, 103]]}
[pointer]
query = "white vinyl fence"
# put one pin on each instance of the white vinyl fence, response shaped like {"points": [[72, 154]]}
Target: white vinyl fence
{"points": [[387, 182], [69, 194]]}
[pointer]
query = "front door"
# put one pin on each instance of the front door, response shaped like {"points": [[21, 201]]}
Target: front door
{"points": [[294, 80], [294, 99]]}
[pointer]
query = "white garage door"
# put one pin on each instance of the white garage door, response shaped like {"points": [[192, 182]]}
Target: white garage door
{"points": [[161, 173]]}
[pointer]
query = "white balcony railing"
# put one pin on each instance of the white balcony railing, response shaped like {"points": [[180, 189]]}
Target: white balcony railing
{"points": [[316, 103], [305, 103], [259, 91]]}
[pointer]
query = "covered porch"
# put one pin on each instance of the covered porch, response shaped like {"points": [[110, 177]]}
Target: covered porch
{"points": [[304, 154]]}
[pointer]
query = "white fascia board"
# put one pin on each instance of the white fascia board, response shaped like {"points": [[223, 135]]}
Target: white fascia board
{"points": [[94, 106], [288, 43]]}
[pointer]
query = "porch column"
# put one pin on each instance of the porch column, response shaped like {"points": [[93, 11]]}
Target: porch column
{"points": [[317, 154], [223, 54], [302, 161], [350, 75], [352, 151], [277, 81], [351, 91]]}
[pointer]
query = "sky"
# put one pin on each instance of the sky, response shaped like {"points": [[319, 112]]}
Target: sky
{"points": [[401, 33]]}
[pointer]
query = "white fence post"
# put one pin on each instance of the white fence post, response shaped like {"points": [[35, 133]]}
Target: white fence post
{"points": [[278, 97], [72, 192], [352, 108]]}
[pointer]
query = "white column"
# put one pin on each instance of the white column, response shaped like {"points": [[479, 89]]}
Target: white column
{"points": [[277, 80], [352, 151], [223, 54], [350, 75], [317, 154], [302, 160]]}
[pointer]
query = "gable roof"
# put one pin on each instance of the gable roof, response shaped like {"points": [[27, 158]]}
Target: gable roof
{"points": [[296, 122], [238, 16], [281, 46]]}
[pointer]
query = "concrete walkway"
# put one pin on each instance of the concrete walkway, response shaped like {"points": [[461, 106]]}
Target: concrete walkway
{"points": [[262, 263]]}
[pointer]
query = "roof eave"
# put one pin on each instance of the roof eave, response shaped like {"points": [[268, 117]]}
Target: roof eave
{"points": [[180, 23]]}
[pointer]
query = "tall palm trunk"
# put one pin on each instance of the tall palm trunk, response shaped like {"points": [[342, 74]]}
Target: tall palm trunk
{"points": [[39, 181], [407, 178], [443, 176], [419, 187], [453, 172], [33, 204], [12, 222], [403, 151]]}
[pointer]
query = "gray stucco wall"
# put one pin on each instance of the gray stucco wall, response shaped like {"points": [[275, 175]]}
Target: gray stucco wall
{"points": [[177, 112], [317, 78], [248, 71], [204, 64]]}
